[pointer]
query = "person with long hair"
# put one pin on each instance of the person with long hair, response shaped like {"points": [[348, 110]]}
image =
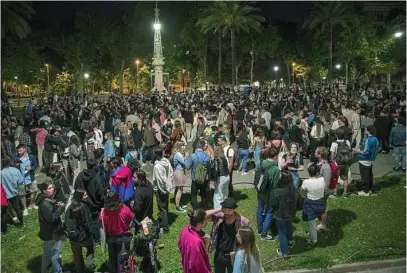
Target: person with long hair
{"points": [[193, 248], [179, 180], [284, 202], [243, 143], [317, 136], [74, 159], [51, 229], [293, 162], [221, 176], [247, 257], [142, 204], [79, 229], [115, 219], [109, 151], [121, 180]]}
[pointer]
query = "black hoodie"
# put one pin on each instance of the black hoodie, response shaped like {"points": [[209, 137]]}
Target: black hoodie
{"points": [[90, 181], [49, 216]]}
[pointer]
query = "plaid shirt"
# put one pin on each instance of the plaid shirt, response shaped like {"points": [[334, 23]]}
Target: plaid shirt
{"points": [[25, 139]]}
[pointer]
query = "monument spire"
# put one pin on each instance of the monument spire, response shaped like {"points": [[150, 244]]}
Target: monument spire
{"points": [[158, 58]]}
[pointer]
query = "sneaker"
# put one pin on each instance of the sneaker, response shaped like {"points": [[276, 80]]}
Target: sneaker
{"points": [[243, 173], [372, 193], [279, 253], [15, 219], [345, 195], [397, 169], [333, 196], [291, 244], [25, 212], [310, 243], [321, 227], [268, 238], [184, 207], [180, 210], [362, 193]]}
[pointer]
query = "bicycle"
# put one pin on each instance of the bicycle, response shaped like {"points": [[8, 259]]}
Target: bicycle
{"points": [[144, 246]]}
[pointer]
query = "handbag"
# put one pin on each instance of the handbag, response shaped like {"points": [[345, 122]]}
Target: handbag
{"points": [[283, 151], [102, 232]]}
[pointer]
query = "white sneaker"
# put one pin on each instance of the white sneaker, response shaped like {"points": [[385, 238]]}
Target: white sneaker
{"points": [[243, 173], [15, 219], [362, 193], [25, 212]]}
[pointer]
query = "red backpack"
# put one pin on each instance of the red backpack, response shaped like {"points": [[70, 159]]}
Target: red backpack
{"points": [[335, 175]]}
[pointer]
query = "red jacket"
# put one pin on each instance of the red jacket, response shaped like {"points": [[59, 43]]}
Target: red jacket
{"points": [[4, 202], [116, 222]]}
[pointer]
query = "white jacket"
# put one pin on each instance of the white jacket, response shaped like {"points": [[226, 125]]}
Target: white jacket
{"points": [[162, 176]]}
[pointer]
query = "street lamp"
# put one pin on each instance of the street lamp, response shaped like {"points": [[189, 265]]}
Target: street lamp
{"points": [[47, 66], [398, 34], [338, 66], [137, 75], [276, 70], [157, 26], [86, 76], [183, 86]]}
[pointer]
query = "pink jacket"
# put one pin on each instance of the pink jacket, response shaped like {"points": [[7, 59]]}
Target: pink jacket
{"points": [[195, 258], [41, 133]]}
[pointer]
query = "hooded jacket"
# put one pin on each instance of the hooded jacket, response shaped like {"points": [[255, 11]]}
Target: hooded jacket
{"points": [[121, 182], [49, 216], [162, 176], [91, 182]]}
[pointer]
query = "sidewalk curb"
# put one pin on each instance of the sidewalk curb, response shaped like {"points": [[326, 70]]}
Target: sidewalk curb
{"points": [[355, 267]]}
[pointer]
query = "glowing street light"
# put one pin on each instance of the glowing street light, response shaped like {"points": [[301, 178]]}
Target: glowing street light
{"points": [[338, 66], [276, 70], [398, 34], [16, 77], [157, 26], [86, 75]]}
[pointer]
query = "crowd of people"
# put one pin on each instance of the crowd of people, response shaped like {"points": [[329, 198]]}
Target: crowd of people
{"points": [[93, 153]]}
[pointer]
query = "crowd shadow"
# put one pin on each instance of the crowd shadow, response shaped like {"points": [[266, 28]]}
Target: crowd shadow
{"points": [[383, 182], [332, 235], [34, 264], [238, 195]]}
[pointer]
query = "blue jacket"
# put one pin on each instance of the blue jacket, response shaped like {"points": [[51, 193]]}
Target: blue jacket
{"points": [[11, 178], [31, 173], [178, 162], [369, 146], [398, 136], [110, 150], [313, 209], [197, 157]]}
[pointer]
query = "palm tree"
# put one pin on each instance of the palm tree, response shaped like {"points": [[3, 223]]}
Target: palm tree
{"points": [[16, 17], [325, 16], [231, 16]]}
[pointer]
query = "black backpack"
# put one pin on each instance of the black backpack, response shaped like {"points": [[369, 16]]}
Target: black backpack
{"points": [[133, 163], [344, 154], [261, 179]]}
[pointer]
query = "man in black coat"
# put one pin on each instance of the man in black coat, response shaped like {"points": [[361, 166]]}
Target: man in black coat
{"points": [[383, 126]]}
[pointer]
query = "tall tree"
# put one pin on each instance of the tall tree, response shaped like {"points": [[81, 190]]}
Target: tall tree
{"points": [[325, 17], [16, 18], [232, 17]]}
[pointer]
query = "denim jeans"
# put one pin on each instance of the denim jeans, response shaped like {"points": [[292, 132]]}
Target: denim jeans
{"points": [[400, 156], [264, 217], [285, 234], [296, 179], [243, 156], [52, 255], [150, 149], [114, 245], [257, 153], [221, 191]]}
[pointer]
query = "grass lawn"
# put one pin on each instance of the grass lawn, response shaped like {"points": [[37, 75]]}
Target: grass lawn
{"points": [[373, 226]]}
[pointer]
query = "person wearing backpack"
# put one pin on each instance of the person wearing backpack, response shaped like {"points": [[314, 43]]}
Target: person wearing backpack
{"points": [[221, 176], [341, 153], [78, 229], [266, 178], [198, 163], [130, 159], [329, 171]]}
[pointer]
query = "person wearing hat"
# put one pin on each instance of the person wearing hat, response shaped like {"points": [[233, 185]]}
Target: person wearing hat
{"points": [[226, 224]]}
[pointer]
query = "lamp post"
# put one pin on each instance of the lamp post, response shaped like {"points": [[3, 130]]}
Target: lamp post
{"points": [[398, 34], [276, 70], [137, 75], [338, 66], [183, 86], [293, 65], [47, 66], [86, 76], [18, 97]]}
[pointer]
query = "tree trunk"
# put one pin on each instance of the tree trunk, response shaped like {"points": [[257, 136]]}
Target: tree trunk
{"points": [[219, 59], [346, 73], [287, 64], [388, 82], [121, 78], [330, 55], [251, 67], [237, 73], [204, 57], [232, 42]]}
